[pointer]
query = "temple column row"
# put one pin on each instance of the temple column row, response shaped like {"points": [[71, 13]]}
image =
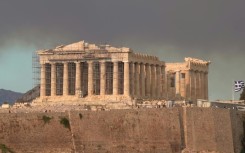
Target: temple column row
{"points": [[90, 78], [147, 80], [197, 85]]}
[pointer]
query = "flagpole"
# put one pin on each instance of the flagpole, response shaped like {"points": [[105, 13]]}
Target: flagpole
{"points": [[232, 91]]}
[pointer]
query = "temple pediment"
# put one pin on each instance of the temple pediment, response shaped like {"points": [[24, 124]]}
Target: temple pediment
{"points": [[84, 47], [78, 46]]}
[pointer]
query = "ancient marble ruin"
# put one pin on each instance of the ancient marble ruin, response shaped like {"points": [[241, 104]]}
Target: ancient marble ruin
{"points": [[187, 80], [101, 74]]}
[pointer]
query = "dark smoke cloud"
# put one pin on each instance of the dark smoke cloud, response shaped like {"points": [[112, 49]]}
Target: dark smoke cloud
{"points": [[171, 29]]}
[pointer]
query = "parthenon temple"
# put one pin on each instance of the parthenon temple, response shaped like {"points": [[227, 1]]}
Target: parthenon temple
{"points": [[98, 74]]}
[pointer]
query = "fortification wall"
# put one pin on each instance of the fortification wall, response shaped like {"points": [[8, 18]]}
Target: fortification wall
{"points": [[128, 131], [27, 133], [237, 120], [142, 130], [208, 129]]}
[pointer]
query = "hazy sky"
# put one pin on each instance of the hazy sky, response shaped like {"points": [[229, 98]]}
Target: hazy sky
{"points": [[170, 29]]}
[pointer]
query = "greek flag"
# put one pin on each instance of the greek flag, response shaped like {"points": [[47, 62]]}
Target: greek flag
{"points": [[239, 85]]}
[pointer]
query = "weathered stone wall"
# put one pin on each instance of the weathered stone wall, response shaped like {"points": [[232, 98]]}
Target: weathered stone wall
{"points": [[27, 132], [208, 129], [237, 120], [128, 131], [115, 131]]}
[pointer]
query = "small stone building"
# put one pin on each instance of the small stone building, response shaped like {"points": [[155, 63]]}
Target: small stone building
{"points": [[100, 74]]}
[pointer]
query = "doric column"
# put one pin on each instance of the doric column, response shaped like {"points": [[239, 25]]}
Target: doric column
{"points": [[148, 81], [132, 79], [177, 82], [78, 78], [201, 90], [163, 82], [90, 78], [153, 81], [65, 79], [115, 78], [53, 79], [142, 79], [158, 82], [126, 79], [43, 81], [187, 85], [137, 80], [193, 85], [82, 78], [198, 85], [168, 85], [102, 78], [182, 84], [206, 85]]}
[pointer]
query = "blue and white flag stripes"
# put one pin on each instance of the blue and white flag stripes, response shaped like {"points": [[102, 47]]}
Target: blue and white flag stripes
{"points": [[239, 85]]}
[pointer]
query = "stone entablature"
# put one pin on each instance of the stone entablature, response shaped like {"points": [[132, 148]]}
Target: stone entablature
{"points": [[85, 51], [189, 64], [197, 64]]}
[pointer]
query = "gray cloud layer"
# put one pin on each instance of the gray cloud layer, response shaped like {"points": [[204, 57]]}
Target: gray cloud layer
{"points": [[170, 29]]}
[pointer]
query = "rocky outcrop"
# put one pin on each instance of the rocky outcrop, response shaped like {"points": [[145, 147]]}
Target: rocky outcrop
{"points": [[30, 95]]}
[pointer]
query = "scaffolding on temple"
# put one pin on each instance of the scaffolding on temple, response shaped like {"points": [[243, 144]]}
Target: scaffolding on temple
{"points": [[120, 78], [71, 78], [59, 78], [109, 78], [48, 79], [35, 70], [96, 78]]}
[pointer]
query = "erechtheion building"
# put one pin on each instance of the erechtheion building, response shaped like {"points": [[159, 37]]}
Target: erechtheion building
{"points": [[187, 80], [89, 73]]}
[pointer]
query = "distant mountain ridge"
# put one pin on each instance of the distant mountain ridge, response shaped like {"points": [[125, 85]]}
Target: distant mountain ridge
{"points": [[9, 96]]}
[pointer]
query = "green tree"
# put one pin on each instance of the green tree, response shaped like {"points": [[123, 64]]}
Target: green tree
{"points": [[242, 96], [5, 149]]}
